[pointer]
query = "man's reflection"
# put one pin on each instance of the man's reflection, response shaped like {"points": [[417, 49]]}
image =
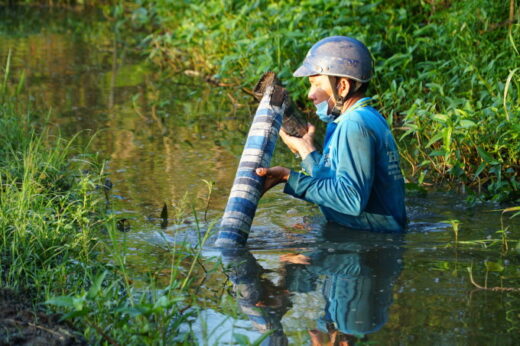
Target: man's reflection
{"points": [[354, 270], [263, 302]]}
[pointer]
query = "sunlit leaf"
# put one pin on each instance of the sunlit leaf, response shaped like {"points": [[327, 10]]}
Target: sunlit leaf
{"points": [[64, 301], [440, 117], [464, 123]]}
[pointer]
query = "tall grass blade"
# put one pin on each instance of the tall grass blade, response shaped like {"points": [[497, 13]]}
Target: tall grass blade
{"points": [[506, 90]]}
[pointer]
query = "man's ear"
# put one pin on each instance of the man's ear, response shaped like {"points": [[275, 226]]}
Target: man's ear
{"points": [[344, 86]]}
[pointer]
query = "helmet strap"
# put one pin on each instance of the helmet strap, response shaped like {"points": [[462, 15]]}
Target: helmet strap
{"points": [[336, 110], [340, 100]]}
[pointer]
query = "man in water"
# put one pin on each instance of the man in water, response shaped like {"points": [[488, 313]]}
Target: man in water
{"points": [[357, 180]]}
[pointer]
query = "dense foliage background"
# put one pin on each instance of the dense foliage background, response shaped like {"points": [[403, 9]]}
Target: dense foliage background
{"points": [[447, 72]]}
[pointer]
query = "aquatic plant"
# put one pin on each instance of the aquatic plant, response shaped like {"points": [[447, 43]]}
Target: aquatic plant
{"points": [[455, 226]]}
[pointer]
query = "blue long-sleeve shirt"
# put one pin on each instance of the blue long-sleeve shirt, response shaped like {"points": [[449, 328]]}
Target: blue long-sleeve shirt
{"points": [[357, 182]]}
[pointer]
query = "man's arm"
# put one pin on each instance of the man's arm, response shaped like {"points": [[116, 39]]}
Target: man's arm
{"points": [[349, 189]]}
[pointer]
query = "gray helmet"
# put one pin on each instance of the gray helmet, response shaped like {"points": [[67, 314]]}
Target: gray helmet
{"points": [[338, 56]]}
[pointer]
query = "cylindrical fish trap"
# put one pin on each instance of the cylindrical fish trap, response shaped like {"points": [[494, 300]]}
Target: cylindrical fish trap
{"points": [[247, 187], [293, 121]]}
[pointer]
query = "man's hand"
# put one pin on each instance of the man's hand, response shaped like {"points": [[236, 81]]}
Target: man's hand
{"points": [[301, 146], [273, 176], [295, 258]]}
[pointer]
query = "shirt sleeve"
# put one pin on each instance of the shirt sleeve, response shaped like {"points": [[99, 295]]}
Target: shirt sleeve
{"points": [[311, 161], [347, 191]]}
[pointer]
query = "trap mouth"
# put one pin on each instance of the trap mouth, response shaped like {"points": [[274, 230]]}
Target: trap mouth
{"points": [[269, 78]]}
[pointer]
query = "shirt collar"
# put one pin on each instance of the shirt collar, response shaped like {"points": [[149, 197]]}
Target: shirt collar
{"points": [[359, 104]]}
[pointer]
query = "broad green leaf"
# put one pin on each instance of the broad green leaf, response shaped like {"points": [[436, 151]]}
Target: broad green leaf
{"points": [[73, 314], [486, 157], [162, 302], [96, 287], [440, 152], [440, 117], [78, 303], [434, 139], [241, 339], [466, 124], [64, 301], [506, 90], [461, 112], [480, 169], [133, 312]]}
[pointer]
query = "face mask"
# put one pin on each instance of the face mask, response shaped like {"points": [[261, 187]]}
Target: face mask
{"points": [[321, 111]]}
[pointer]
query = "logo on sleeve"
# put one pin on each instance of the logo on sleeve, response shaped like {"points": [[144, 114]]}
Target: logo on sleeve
{"points": [[393, 165]]}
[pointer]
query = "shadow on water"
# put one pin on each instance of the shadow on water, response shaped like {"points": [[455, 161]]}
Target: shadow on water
{"points": [[168, 139]]}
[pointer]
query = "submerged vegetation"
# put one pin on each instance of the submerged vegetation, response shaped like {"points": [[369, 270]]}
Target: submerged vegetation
{"points": [[447, 72]]}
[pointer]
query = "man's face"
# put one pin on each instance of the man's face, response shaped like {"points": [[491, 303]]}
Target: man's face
{"points": [[320, 89]]}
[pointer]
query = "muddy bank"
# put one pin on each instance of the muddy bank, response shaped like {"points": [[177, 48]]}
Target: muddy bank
{"points": [[23, 324]]}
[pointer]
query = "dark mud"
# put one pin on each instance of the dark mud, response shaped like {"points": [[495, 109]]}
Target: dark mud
{"points": [[23, 324]]}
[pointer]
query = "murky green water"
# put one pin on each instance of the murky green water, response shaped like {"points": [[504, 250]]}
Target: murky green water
{"points": [[166, 136]]}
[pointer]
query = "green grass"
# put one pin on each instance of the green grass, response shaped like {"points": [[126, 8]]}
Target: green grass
{"points": [[60, 244], [447, 72]]}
